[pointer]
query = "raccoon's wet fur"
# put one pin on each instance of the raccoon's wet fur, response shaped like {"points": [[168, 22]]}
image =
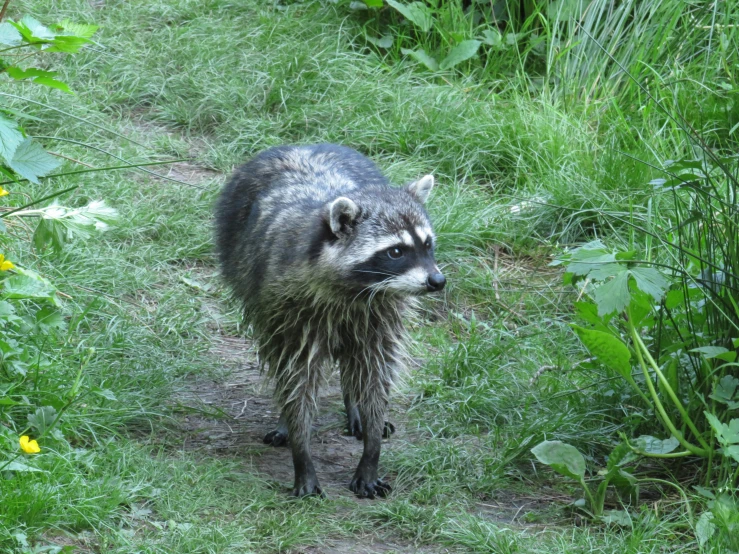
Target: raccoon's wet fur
{"points": [[325, 257]]}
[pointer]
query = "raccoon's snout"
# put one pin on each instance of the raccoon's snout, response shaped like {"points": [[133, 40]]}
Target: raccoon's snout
{"points": [[435, 282]]}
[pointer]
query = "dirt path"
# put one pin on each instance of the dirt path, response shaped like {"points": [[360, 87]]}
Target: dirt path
{"points": [[230, 416]]}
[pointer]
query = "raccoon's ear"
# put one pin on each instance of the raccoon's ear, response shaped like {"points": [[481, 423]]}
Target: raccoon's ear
{"points": [[342, 214], [421, 188]]}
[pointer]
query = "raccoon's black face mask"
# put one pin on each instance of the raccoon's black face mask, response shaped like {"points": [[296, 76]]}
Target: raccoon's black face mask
{"points": [[387, 245]]}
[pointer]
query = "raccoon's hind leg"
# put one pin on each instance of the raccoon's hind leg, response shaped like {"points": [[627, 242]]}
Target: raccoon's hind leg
{"points": [[354, 422], [278, 437]]}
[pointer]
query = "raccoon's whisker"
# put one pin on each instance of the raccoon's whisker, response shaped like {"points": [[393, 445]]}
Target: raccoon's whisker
{"points": [[376, 272]]}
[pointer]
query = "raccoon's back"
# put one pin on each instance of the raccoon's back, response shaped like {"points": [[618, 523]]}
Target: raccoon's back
{"points": [[276, 197]]}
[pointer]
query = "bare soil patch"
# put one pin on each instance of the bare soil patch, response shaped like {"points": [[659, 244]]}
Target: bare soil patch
{"points": [[229, 416]]}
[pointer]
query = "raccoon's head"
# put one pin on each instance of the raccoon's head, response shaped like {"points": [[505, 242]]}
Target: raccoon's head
{"points": [[382, 240]]}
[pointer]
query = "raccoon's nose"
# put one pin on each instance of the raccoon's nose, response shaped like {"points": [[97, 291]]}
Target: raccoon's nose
{"points": [[435, 282]]}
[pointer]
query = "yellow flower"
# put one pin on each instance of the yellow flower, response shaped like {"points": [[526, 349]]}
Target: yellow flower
{"points": [[5, 265], [3, 192], [29, 446]]}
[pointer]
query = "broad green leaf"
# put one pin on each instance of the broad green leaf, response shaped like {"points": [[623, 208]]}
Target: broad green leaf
{"points": [[105, 393], [42, 419], [17, 73], [67, 44], [732, 451], [10, 402], [725, 389], [674, 298], [9, 35], [53, 83], [492, 37], [385, 41], [50, 317], [613, 296], [561, 457], [651, 445], [588, 257], [461, 52], [30, 161], [609, 350], [705, 528], [28, 284], [651, 281], [39, 76], [587, 260], [704, 492], [606, 271], [417, 13], [21, 468], [620, 456], [67, 27], [727, 435], [32, 30], [587, 311], [716, 352], [617, 517], [10, 139], [421, 56]]}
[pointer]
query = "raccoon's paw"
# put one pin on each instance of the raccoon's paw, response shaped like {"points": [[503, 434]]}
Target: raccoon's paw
{"points": [[354, 429], [275, 438], [369, 489], [308, 486], [388, 430]]}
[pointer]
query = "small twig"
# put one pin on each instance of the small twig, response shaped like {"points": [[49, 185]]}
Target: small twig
{"points": [[543, 369], [242, 409], [68, 158], [5, 8], [582, 290], [519, 511]]}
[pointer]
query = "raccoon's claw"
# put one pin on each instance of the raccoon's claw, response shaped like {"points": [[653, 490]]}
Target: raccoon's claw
{"points": [[354, 429], [275, 438], [388, 430], [369, 490], [308, 487]]}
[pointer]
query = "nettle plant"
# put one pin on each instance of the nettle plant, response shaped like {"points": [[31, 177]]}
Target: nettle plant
{"points": [[31, 310], [643, 324]]}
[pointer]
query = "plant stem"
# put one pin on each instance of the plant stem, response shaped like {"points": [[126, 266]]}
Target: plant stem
{"points": [[5, 8], [666, 384], [657, 403]]}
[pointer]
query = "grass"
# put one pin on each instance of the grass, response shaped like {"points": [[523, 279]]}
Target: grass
{"points": [[519, 173]]}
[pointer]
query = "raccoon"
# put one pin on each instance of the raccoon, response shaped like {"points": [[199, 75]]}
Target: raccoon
{"points": [[326, 259]]}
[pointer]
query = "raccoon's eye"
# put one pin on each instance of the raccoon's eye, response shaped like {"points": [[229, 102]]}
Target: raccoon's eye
{"points": [[395, 253], [427, 244]]}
